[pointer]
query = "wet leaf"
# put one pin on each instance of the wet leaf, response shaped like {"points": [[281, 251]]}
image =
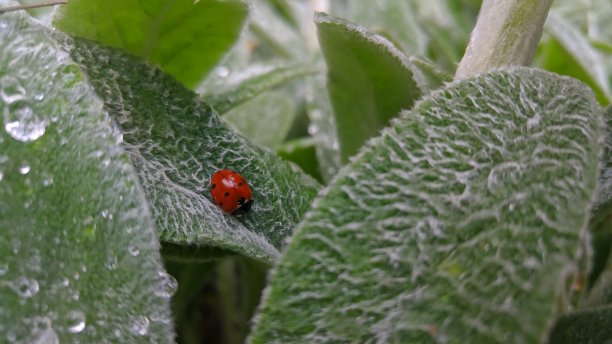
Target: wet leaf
{"points": [[79, 259]]}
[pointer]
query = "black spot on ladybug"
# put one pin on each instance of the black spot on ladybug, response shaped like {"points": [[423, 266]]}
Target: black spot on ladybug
{"points": [[239, 184], [220, 204], [226, 194], [213, 186]]}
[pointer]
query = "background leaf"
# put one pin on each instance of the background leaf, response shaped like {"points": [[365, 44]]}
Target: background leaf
{"points": [[369, 81], [570, 53], [185, 37], [176, 142], [79, 258], [266, 119], [458, 224], [224, 92]]}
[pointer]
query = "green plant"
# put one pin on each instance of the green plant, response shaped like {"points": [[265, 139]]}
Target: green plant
{"points": [[393, 201]]}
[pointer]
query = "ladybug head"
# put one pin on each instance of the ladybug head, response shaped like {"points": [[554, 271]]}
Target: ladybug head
{"points": [[243, 207]]}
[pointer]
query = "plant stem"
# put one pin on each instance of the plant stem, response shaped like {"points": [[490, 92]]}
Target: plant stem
{"points": [[506, 34], [27, 7]]}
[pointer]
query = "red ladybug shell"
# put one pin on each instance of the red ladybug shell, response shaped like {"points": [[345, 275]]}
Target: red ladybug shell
{"points": [[231, 192]]}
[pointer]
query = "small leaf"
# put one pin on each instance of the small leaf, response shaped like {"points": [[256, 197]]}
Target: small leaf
{"points": [[576, 57], [79, 259], [457, 225], [176, 142], [185, 37], [224, 93], [369, 80]]}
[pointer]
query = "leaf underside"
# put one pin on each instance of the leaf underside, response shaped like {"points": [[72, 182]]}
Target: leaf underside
{"points": [[457, 225]]}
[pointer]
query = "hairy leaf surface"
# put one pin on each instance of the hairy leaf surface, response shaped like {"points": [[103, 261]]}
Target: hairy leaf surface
{"points": [[459, 224], [176, 142], [79, 259], [369, 81]]}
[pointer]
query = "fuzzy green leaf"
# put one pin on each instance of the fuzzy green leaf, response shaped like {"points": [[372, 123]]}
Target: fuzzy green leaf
{"points": [[176, 142], [457, 225], [185, 37], [588, 326], [369, 81], [603, 202], [79, 259]]}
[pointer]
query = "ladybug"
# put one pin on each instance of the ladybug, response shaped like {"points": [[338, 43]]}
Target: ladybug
{"points": [[231, 192]]}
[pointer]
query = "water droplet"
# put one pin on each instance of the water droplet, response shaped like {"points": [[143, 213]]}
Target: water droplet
{"points": [[11, 90], [111, 262], [140, 325], [106, 214], [313, 129], [222, 71], [166, 285], [41, 332], [21, 123], [3, 268], [39, 96], [1, 176], [48, 181], [24, 287], [134, 251], [24, 169], [76, 321]]}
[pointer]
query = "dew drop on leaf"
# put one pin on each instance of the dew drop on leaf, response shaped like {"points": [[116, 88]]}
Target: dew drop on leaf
{"points": [[140, 325], [24, 169], [166, 285], [76, 321], [3, 268], [24, 287], [22, 123], [41, 332], [133, 250], [11, 90]]}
